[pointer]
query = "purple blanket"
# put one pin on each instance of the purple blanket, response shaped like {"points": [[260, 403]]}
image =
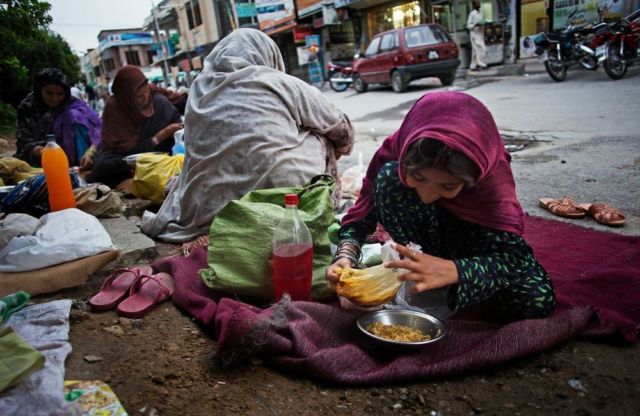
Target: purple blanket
{"points": [[597, 281]]}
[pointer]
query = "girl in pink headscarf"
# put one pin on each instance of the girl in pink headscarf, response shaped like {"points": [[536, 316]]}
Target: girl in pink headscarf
{"points": [[444, 181]]}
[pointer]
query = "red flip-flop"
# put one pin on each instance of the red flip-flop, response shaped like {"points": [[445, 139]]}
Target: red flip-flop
{"points": [[145, 293], [116, 287]]}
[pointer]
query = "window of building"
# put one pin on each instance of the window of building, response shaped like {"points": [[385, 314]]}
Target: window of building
{"points": [[193, 13], [96, 71], [109, 64], [133, 58], [385, 18]]}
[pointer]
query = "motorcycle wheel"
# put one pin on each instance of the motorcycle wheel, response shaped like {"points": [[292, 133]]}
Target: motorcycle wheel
{"points": [[338, 87], [556, 69], [614, 66]]}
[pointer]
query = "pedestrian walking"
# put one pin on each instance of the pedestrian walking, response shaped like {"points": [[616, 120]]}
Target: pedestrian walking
{"points": [[475, 24], [90, 94]]}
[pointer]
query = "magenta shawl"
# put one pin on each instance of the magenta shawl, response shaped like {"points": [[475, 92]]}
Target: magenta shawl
{"points": [[465, 125]]}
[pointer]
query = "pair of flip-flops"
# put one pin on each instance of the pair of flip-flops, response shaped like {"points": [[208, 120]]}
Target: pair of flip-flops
{"points": [[134, 291], [567, 208]]}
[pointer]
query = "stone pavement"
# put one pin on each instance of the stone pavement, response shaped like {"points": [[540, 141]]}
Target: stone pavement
{"points": [[522, 67]]}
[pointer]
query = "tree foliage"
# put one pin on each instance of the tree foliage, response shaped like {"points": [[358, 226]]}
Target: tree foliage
{"points": [[28, 46]]}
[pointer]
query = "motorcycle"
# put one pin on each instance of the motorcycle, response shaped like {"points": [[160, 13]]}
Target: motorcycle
{"points": [[622, 47], [560, 50], [340, 75]]}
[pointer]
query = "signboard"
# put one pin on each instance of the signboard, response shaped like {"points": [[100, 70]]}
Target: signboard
{"points": [[343, 3], [245, 9], [305, 57], [275, 15], [307, 7], [580, 12], [527, 47], [301, 32], [312, 40], [122, 39]]}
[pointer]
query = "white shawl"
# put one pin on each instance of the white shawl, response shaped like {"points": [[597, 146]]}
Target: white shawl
{"points": [[248, 125]]}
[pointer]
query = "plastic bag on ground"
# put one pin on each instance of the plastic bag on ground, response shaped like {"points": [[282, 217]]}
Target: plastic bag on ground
{"points": [[153, 171]]}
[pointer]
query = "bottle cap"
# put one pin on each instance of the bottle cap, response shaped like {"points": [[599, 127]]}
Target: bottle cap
{"points": [[51, 138], [291, 199]]}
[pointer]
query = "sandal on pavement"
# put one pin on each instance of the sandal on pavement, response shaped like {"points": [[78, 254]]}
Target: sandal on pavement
{"points": [[563, 207], [605, 214], [116, 287], [146, 292]]}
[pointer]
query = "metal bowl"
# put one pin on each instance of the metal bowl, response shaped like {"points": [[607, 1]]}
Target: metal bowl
{"points": [[429, 325]]}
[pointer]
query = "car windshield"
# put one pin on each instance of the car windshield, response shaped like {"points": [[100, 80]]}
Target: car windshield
{"points": [[424, 35]]}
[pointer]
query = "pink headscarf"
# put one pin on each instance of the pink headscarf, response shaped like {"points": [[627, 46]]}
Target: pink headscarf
{"points": [[464, 124]]}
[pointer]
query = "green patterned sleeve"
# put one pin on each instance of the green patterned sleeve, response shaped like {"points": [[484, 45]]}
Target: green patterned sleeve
{"points": [[359, 230], [507, 270]]}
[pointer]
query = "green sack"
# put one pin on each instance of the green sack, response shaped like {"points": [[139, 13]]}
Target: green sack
{"points": [[239, 252]]}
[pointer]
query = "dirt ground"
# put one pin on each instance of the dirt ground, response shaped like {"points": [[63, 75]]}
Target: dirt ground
{"points": [[164, 364]]}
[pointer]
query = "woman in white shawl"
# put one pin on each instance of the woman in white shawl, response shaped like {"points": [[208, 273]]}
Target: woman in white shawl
{"points": [[248, 125]]}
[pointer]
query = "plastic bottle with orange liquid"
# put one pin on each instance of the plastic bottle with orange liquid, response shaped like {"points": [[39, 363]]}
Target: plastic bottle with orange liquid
{"points": [[56, 170]]}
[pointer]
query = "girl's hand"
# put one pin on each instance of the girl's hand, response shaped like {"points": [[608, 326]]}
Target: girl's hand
{"points": [[427, 272], [331, 276]]}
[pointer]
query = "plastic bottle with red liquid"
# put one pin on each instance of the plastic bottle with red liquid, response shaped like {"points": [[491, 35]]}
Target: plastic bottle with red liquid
{"points": [[56, 170], [292, 254]]}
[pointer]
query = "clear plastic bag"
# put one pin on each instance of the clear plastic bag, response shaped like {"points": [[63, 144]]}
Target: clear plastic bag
{"points": [[178, 147]]}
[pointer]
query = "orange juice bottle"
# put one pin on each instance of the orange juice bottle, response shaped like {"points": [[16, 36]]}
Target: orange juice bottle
{"points": [[56, 171]]}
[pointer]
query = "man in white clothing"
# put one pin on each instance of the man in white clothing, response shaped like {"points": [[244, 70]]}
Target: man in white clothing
{"points": [[475, 24]]}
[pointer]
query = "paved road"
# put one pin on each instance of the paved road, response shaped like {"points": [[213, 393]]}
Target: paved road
{"points": [[582, 135]]}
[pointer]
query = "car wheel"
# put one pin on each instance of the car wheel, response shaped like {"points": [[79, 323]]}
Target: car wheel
{"points": [[447, 79], [397, 82], [359, 84]]}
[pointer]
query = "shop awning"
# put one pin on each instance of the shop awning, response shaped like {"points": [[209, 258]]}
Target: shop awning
{"points": [[357, 4]]}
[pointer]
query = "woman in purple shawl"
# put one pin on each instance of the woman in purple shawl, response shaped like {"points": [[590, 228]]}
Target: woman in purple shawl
{"points": [[444, 181], [50, 109]]}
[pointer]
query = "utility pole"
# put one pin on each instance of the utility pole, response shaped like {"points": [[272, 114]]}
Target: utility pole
{"points": [[165, 66]]}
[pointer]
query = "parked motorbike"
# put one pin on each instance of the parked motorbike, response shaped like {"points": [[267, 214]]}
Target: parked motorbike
{"points": [[561, 50], [340, 75], [622, 47]]}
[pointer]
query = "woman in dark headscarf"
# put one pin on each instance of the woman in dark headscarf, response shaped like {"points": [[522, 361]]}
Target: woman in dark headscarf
{"points": [[50, 109], [134, 121], [444, 181]]}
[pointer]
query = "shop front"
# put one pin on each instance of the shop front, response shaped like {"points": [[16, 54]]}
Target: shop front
{"points": [[537, 16], [278, 19], [453, 14]]}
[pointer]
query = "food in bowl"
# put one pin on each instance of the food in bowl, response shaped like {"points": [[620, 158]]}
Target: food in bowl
{"points": [[397, 332], [393, 319]]}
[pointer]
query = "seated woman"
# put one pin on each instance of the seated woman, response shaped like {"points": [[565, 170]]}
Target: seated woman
{"points": [[248, 126], [444, 181], [50, 109], [134, 121]]}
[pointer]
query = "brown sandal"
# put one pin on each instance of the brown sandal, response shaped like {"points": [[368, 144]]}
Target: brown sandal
{"points": [[605, 214], [563, 207]]}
